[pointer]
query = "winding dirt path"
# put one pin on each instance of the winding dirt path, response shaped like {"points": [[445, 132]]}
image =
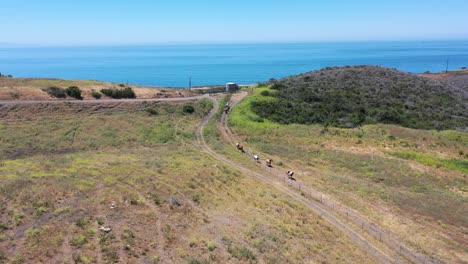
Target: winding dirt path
{"points": [[332, 205], [317, 206]]}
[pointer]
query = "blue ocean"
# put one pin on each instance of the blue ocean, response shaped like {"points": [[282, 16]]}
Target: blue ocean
{"points": [[210, 64]]}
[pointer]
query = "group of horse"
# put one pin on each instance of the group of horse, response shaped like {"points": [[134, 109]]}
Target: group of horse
{"points": [[268, 162]]}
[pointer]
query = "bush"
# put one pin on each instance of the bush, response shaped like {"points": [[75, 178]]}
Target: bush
{"points": [[56, 92], [96, 94], [152, 111], [125, 93], [74, 91], [241, 252], [107, 92], [265, 93], [79, 241], [211, 246], [188, 109]]}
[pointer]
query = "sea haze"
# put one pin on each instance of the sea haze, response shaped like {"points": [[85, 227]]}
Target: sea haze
{"points": [[172, 65]]}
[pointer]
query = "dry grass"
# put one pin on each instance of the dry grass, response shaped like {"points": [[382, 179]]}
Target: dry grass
{"points": [[66, 170], [30, 88]]}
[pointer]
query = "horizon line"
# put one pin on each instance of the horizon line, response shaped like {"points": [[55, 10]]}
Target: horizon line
{"points": [[182, 43]]}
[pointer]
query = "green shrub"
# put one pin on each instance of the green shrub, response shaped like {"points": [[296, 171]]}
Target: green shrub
{"points": [[82, 222], [197, 198], [74, 91], [96, 94], [188, 109], [157, 200], [241, 252], [78, 241], [56, 92], [265, 93], [125, 93], [107, 92], [211, 246], [152, 111]]}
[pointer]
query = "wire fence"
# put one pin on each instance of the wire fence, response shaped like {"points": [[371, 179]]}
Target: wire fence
{"points": [[349, 213]]}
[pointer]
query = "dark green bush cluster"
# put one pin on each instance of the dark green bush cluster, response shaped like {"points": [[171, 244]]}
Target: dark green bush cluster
{"points": [[96, 94], [74, 92], [124, 93], [188, 109], [265, 93], [56, 92], [353, 96], [59, 92]]}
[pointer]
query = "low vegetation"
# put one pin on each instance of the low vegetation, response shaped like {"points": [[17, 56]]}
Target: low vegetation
{"points": [[409, 181], [354, 96], [74, 91], [127, 183], [58, 92], [36, 89], [96, 94], [123, 93]]}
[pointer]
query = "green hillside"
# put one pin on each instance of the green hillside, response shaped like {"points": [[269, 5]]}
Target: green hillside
{"points": [[353, 96]]}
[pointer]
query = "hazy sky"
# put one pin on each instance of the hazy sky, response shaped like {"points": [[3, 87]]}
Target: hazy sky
{"points": [[77, 22]]}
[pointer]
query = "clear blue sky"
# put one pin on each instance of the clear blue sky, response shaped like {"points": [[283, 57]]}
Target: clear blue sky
{"points": [[82, 22]]}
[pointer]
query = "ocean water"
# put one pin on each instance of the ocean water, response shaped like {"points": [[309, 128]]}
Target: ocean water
{"points": [[172, 65]]}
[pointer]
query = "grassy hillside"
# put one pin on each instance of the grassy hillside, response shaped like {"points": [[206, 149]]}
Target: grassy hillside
{"points": [[33, 88], [411, 182], [354, 96], [68, 170]]}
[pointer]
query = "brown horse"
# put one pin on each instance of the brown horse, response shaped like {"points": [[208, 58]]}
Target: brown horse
{"points": [[240, 147], [226, 109]]}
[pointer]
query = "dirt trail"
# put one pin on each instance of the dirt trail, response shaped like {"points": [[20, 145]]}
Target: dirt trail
{"points": [[333, 205], [330, 204], [316, 206]]}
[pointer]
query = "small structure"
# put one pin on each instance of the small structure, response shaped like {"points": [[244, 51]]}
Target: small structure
{"points": [[232, 87]]}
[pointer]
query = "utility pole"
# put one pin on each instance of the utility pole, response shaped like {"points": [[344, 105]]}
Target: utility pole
{"points": [[190, 83], [446, 68]]}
